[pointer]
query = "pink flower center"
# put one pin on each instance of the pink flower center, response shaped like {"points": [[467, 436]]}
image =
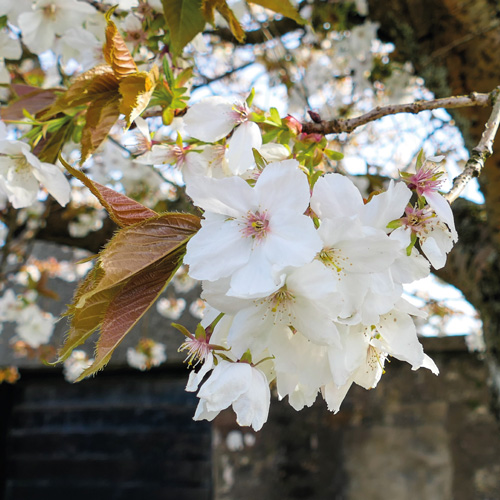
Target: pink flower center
{"points": [[197, 349], [425, 180], [240, 112], [416, 220], [256, 225]]}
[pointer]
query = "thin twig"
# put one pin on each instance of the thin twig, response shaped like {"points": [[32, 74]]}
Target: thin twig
{"points": [[337, 126], [208, 81], [480, 153]]}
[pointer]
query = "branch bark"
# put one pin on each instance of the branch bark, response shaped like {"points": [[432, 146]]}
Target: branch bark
{"points": [[347, 125], [480, 153]]}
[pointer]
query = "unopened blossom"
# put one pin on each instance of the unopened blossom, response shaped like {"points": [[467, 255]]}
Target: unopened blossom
{"points": [[252, 233], [21, 172], [239, 385], [49, 18]]}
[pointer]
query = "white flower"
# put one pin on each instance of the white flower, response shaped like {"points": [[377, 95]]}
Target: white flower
{"points": [[171, 308], [304, 302], [436, 239], [10, 48], [365, 349], [34, 326], [9, 306], [74, 366], [21, 171], [239, 385], [214, 117], [82, 45], [50, 18], [14, 8], [146, 354], [359, 256], [251, 234], [123, 4], [182, 282]]}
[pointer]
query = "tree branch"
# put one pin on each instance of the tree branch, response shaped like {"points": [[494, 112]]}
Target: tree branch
{"points": [[480, 153], [337, 126]]}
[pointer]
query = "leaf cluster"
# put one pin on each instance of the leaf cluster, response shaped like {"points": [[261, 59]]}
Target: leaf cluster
{"points": [[130, 272], [103, 93], [186, 18]]}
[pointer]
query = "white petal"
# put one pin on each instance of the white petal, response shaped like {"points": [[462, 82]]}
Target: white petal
{"points": [[334, 395], [231, 196], [256, 278], [400, 336], [274, 152], [37, 34], [195, 378], [217, 249], [210, 119], [283, 187], [386, 207], [226, 384], [55, 182], [443, 211], [239, 154], [336, 196], [252, 408]]}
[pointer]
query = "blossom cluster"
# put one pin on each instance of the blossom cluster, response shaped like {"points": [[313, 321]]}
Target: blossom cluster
{"points": [[303, 278], [34, 327]]}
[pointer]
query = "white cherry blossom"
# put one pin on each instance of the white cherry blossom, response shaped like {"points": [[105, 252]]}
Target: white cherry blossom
{"points": [[21, 172], [251, 234], [49, 18], [239, 385]]}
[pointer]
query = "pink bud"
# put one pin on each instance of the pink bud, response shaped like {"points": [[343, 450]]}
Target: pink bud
{"points": [[293, 124]]}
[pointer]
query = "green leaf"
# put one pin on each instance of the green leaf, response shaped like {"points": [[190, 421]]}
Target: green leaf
{"points": [[123, 210], [275, 116], [208, 8], [394, 224], [333, 155], [250, 97], [420, 159], [259, 159], [184, 20], [283, 7]]}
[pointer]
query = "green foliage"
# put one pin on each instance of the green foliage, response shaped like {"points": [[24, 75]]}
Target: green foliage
{"points": [[171, 93], [184, 20]]}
